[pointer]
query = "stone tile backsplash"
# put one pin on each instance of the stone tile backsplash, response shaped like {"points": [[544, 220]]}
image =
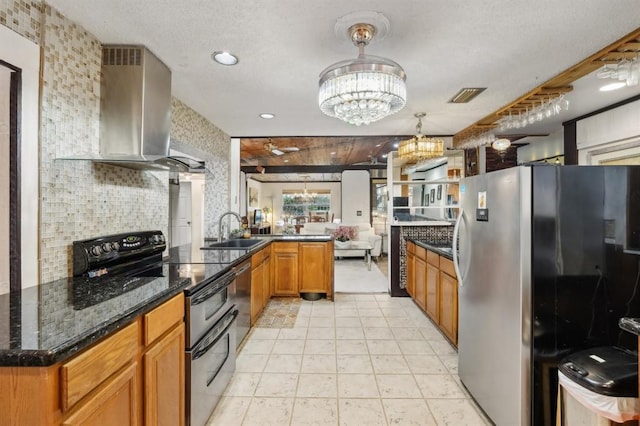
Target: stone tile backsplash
{"points": [[80, 199]]}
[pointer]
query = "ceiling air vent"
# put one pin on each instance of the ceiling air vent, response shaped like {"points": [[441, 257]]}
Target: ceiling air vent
{"points": [[466, 95], [121, 55]]}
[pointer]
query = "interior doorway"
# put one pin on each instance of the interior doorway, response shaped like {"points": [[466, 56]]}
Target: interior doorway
{"points": [[186, 213]]}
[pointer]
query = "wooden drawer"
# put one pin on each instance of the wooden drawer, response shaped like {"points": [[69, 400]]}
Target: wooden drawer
{"points": [[85, 372], [421, 253], [279, 247], [257, 258], [163, 318], [433, 258], [446, 266]]}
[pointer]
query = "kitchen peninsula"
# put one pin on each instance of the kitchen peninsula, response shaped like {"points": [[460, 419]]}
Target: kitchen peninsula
{"points": [[85, 352]]}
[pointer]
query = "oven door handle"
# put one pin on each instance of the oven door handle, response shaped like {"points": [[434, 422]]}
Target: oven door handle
{"points": [[215, 335], [219, 285]]}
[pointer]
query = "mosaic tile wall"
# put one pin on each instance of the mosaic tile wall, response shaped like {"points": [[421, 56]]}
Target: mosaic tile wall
{"points": [[79, 199], [23, 17], [435, 235], [192, 132]]}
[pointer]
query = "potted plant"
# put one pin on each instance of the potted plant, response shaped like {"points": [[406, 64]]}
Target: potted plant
{"points": [[343, 236]]}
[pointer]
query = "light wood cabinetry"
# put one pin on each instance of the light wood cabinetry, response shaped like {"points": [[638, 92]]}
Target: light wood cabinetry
{"points": [[420, 281], [164, 380], [314, 258], [433, 286], [448, 300], [115, 403], [285, 268], [260, 282], [86, 371], [133, 376], [432, 295], [411, 269], [302, 267], [266, 276]]}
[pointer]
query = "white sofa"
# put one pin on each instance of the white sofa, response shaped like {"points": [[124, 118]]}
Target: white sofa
{"points": [[365, 232]]}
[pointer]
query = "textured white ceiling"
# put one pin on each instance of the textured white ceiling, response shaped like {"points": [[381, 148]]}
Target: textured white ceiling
{"points": [[508, 46]]}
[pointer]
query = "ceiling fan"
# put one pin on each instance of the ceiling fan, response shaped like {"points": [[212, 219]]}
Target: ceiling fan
{"points": [[269, 146]]}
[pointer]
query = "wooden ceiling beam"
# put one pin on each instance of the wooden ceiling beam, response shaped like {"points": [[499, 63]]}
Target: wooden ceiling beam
{"points": [[311, 169]]}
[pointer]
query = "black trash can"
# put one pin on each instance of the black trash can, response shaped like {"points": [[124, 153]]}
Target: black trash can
{"points": [[604, 380]]}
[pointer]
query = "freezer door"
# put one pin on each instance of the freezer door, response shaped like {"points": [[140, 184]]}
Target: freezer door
{"points": [[494, 293]]}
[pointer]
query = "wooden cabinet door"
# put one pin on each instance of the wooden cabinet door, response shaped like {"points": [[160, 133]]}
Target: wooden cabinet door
{"points": [[266, 278], [431, 303], [313, 267], [420, 281], [115, 404], [164, 380], [411, 271], [257, 286], [449, 307], [284, 258]]}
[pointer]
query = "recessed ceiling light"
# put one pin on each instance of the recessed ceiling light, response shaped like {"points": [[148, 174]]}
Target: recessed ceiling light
{"points": [[286, 161], [333, 153], [613, 86], [384, 155], [224, 58], [378, 144], [267, 115]]}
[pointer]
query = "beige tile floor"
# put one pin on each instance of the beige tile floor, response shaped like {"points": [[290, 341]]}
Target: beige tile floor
{"points": [[364, 360]]}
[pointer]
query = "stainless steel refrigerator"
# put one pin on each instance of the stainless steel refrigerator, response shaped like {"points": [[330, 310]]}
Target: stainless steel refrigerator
{"points": [[547, 261]]}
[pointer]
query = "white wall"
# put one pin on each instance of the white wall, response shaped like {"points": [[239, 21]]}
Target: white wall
{"points": [[25, 54], [5, 85], [539, 149], [234, 175], [356, 196], [613, 130]]}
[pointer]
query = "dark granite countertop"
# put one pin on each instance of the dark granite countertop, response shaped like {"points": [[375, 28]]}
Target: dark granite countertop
{"points": [[445, 251], [632, 325], [45, 324]]}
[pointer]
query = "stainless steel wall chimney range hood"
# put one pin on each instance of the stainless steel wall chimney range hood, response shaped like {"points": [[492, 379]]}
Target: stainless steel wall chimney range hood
{"points": [[135, 112]]}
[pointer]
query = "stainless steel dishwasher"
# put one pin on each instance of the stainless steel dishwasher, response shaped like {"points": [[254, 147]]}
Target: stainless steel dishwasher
{"points": [[243, 299]]}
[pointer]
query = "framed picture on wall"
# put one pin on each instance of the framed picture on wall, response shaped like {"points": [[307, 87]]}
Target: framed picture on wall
{"points": [[433, 195], [440, 192], [253, 197]]}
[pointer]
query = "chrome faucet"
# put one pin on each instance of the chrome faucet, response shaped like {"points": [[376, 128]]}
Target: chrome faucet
{"points": [[220, 236]]}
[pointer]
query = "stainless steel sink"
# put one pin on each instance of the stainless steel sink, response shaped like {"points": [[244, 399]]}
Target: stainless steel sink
{"points": [[239, 244]]}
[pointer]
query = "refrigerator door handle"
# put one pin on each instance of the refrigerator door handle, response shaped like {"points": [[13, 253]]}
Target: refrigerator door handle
{"points": [[456, 231]]}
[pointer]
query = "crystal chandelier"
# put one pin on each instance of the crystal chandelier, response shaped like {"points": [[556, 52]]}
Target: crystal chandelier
{"points": [[365, 89], [306, 196], [420, 147]]}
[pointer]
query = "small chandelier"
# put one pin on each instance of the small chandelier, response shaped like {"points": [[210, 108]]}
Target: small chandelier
{"points": [[365, 89], [306, 196], [420, 147], [501, 144]]}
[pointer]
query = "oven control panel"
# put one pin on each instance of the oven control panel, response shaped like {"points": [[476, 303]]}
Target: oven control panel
{"points": [[109, 250]]}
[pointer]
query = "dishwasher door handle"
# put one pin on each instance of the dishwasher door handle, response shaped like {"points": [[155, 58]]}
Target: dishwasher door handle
{"points": [[243, 269]]}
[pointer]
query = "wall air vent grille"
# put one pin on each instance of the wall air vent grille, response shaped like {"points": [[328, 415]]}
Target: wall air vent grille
{"points": [[122, 56]]}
